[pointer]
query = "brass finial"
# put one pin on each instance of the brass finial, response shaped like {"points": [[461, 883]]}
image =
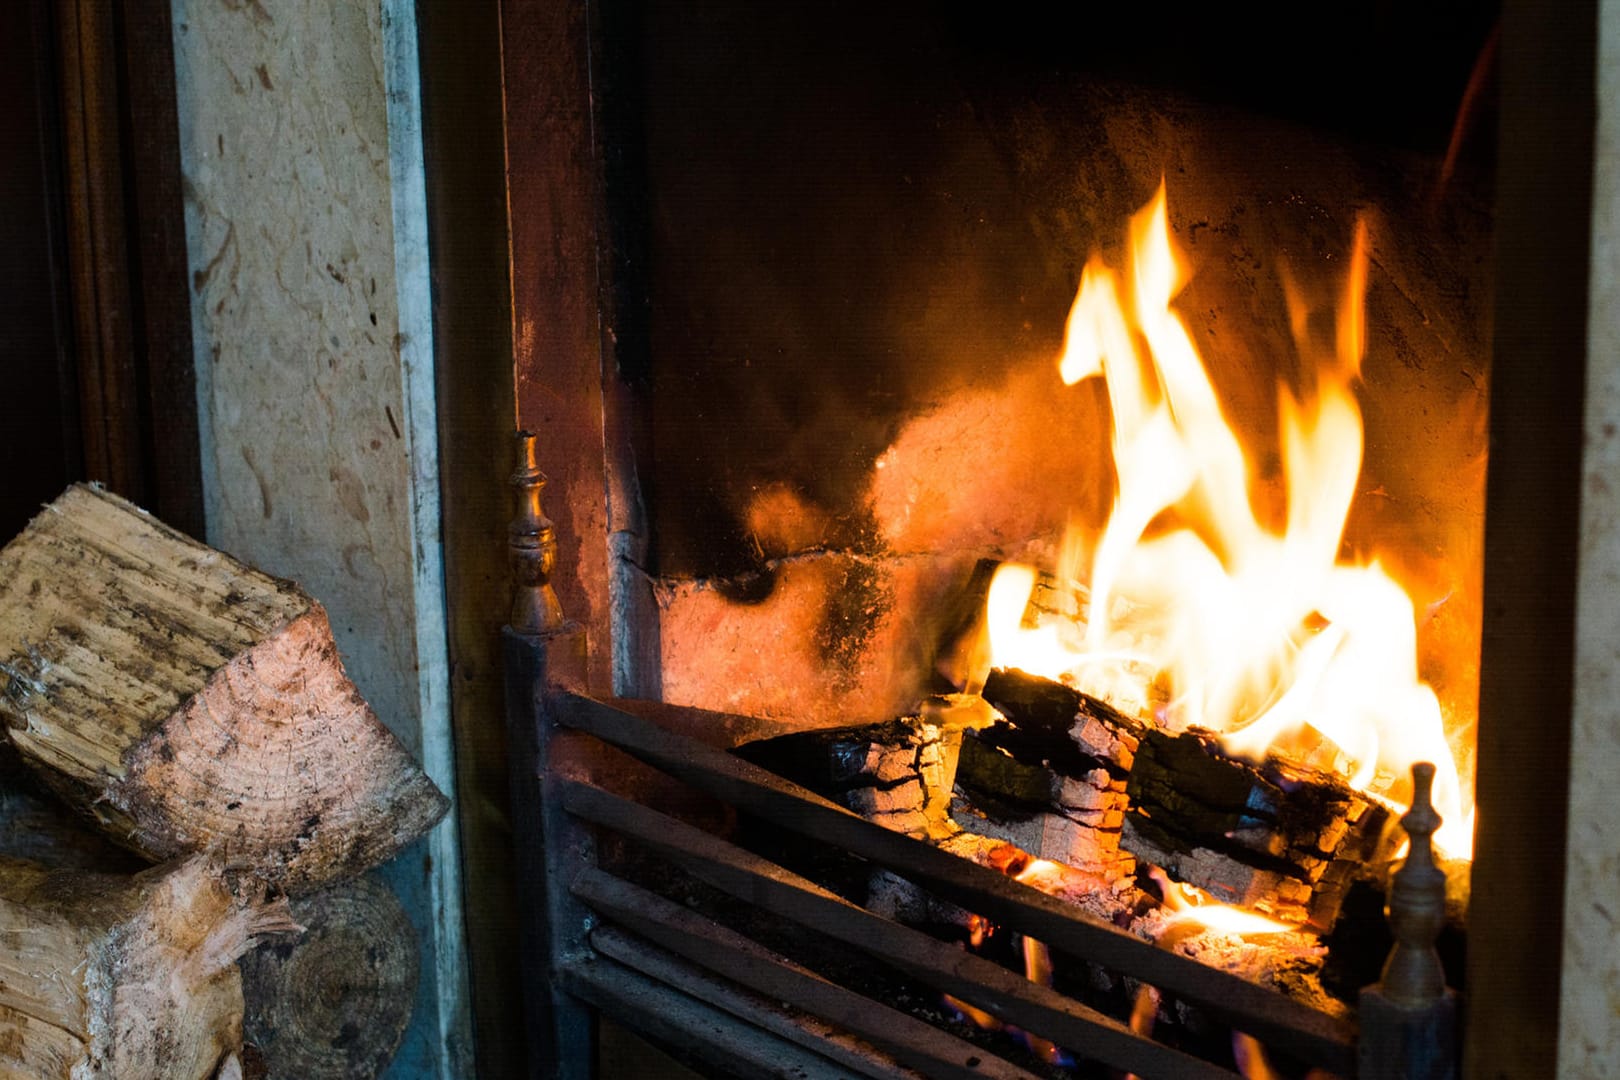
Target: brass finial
{"points": [[532, 548], [1417, 905]]}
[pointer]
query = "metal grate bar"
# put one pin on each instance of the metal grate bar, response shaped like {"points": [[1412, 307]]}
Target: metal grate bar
{"points": [[1286, 1024], [1002, 993], [939, 1055]]}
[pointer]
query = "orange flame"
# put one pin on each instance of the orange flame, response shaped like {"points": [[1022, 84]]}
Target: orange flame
{"points": [[1037, 969], [1259, 633], [1190, 904]]}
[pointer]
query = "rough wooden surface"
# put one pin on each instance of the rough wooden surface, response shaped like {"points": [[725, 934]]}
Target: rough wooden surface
{"points": [[42, 830], [190, 702], [127, 977], [333, 1003]]}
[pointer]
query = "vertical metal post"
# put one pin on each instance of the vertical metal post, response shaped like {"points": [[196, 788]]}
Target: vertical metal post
{"points": [[1409, 1017], [550, 847]]}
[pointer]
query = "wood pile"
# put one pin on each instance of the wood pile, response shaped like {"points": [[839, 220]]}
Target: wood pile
{"points": [[195, 713]]}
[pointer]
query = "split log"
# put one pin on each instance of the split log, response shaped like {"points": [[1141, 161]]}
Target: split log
{"points": [[1277, 836], [898, 773], [333, 1004], [127, 977], [189, 702], [1051, 777]]}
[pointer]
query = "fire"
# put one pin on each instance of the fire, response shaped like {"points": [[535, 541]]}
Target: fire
{"points": [[1192, 905], [1037, 969], [1259, 633]]}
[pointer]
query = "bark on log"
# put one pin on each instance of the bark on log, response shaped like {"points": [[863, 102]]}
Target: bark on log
{"points": [[42, 830], [189, 702], [128, 977], [334, 1003]]}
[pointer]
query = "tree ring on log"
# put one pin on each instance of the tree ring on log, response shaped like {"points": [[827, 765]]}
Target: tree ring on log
{"points": [[334, 1003]]}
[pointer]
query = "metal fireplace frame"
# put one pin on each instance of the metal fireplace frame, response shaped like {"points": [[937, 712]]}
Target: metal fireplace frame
{"points": [[594, 941], [525, 321]]}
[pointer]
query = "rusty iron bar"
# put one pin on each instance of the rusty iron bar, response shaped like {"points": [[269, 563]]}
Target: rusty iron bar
{"points": [[1002, 993], [739, 958], [1288, 1025], [796, 1026], [671, 1018]]}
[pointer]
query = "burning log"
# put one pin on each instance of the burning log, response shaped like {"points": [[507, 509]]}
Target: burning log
{"points": [[124, 976], [1051, 777], [188, 702], [1276, 836]]}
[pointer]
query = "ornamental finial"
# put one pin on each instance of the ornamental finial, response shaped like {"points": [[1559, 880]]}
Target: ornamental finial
{"points": [[1417, 905], [532, 549]]}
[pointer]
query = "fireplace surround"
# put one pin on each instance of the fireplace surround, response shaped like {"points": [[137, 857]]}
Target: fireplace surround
{"points": [[569, 314]]}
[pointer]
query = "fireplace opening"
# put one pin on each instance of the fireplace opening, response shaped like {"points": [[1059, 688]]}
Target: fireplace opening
{"points": [[840, 295]]}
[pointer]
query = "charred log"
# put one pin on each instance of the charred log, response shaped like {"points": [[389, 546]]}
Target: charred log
{"points": [[898, 773], [1276, 836]]}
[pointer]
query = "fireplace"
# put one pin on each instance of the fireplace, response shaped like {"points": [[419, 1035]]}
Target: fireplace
{"points": [[714, 518]]}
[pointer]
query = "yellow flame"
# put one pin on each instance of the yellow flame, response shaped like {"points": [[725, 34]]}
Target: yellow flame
{"points": [[1190, 904], [1259, 633], [1037, 968]]}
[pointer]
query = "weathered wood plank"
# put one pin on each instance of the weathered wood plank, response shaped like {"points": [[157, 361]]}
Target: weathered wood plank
{"points": [[1275, 1020]]}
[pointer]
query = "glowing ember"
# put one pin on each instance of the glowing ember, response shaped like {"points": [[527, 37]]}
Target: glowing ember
{"points": [[1192, 905], [1258, 633]]}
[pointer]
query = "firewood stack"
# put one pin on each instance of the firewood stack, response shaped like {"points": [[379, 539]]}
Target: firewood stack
{"points": [[197, 713]]}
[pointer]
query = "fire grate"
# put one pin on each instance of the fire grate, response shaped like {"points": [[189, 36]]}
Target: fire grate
{"points": [[596, 941]]}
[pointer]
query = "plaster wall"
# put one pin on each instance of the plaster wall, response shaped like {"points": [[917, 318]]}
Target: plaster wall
{"points": [[1589, 1017], [305, 225]]}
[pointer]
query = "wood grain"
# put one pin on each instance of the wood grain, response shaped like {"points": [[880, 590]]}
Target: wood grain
{"points": [[191, 703]]}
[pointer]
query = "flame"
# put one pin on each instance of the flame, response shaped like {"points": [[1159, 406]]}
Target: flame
{"points": [[1191, 905], [1259, 633], [1250, 1058], [1037, 969]]}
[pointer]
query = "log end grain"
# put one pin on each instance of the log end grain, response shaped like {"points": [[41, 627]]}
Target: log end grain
{"points": [[188, 702], [334, 1003]]}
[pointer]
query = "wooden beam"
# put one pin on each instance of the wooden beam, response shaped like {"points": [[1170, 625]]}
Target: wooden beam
{"points": [[938, 1054], [1004, 994], [464, 162], [1268, 1016]]}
